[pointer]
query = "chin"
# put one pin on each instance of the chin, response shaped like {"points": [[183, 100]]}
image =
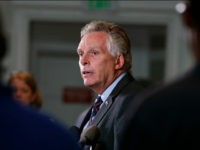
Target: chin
{"points": [[88, 84]]}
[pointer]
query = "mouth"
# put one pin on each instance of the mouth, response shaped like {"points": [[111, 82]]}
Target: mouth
{"points": [[86, 73]]}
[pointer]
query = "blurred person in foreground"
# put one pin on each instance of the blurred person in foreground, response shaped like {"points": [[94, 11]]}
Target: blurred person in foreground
{"points": [[105, 63], [25, 88], [23, 128], [169, 117]]}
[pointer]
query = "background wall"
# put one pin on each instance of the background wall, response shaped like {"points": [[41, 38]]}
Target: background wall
{"points": [[43, 37]]}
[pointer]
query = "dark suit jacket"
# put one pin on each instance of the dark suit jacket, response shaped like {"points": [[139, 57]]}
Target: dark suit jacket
{"points": [[110, 118], [22, 128], [168, 118]]}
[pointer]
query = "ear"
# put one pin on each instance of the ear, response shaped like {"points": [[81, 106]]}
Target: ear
{"points": [[119, 62]]}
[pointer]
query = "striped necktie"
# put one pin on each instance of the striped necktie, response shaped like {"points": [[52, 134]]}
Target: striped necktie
{"points": [[95, 107]]}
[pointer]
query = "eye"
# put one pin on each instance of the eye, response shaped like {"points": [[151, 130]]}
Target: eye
{"points": [[80, 53], [94, 52], [25, 91]]}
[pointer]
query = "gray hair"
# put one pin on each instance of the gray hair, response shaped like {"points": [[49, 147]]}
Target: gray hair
{"points": [[118, 41]]}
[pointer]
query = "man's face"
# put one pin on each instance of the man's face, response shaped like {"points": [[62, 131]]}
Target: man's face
{"points": [[97, 65]]}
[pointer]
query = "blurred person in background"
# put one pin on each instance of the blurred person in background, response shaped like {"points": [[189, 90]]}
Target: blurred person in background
{"points": [[24, 128], [25, 89]]}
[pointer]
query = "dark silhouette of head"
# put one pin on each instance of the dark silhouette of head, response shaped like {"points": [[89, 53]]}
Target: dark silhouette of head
{"points": [[191, 18]]}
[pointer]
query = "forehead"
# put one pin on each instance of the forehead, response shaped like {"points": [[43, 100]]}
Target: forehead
{"points": [[18, 81], [94, 38], [96, 34]]}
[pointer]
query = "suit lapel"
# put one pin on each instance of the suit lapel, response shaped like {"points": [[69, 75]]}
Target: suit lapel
{"points": [[102, 112], [110, 100], [122, 83], [86, 118]]}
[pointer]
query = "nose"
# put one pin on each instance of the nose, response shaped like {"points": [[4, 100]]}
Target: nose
{"points": [[84, 60], [18, 94]]}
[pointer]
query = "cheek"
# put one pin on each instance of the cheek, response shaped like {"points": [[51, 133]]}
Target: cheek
{"points": [[107, 66], [30, 96], [27, 96], [79, 62], [103, 72], [80, 66]]}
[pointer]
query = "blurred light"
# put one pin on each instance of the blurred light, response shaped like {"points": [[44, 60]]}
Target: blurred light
{"points": [[180, 7]]}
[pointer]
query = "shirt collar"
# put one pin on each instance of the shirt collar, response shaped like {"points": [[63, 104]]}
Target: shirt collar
{"points": [[110, 88]]}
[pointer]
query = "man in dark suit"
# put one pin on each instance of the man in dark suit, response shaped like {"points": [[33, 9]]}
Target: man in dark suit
{"points": [[105, 65], [169, 117], [22, 128]]}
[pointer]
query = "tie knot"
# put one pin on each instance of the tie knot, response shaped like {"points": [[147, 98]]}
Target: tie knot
{"points": [[96, 106], [99, 100]]}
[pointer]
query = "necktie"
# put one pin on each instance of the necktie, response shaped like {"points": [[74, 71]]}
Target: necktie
{"points": [[95, 107]]}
